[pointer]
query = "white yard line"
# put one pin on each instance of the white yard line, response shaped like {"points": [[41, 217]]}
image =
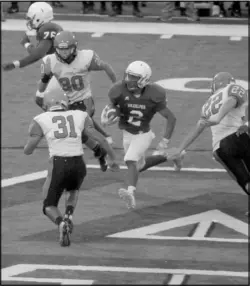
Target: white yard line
{"points": [[42, 174], [140, 28]]}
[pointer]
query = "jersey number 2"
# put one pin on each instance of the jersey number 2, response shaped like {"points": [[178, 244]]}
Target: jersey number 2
{"points": [[135, 117], [213, 105], [63, 130]]}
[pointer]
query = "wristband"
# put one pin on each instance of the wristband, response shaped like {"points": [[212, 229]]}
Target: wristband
{"points": [[16, 64], [26, 45]]}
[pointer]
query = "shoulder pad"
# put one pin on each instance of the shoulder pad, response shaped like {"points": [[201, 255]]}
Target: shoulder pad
{"points": [[115, 90], [157, 92], [238, 92], [86, 56]]}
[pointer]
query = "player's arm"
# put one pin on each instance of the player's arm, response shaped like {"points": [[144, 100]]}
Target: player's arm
{"points": [[35, 54], [113, 96], [161, 107], [35, 136], [91, 132], [171, 122], [98, 65], [193, 135]]}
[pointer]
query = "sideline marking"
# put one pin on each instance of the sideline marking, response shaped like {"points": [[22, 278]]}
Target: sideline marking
{"points": [[166, 36], [42, 174], [204, 220], [235, 38], [18, 269], [140, 28], [97, 35]]}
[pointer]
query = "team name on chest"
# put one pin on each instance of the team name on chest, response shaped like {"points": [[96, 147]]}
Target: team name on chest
{"points": [[138, 106]]}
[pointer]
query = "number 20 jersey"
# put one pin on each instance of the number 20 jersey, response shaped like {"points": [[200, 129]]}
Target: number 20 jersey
{"points": [[74, 78], [62, 130], [233, 119]]}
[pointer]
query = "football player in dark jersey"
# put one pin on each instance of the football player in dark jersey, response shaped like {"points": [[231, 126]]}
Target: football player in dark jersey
{"points": [[138, 101], [39, 17]]}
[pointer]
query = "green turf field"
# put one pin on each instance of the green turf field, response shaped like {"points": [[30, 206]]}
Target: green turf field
{"points": [[206, 249]]}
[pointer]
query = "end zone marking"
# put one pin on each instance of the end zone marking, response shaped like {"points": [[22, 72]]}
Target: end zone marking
{"points": [[42, 174]]}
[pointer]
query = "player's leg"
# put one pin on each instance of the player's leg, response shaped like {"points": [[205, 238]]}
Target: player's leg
{"points": [[90, 108], [245, 147], [229, 155], [74, 181], [135, 147], [152, 161], [52, 191]]}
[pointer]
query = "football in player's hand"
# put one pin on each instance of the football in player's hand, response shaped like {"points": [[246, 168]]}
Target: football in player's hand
{"points": [[112, 113]]}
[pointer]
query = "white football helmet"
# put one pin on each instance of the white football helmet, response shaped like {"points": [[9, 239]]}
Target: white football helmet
{"points": [[38, 14], [137, 75]]}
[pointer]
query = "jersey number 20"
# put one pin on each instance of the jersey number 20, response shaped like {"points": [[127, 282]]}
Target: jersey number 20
{"points": [[63, 130], [73, 84], [213, 105]]}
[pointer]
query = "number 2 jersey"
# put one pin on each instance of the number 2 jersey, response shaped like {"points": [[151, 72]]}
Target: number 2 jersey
{"points": [[233, 119], [136, 112], [62, 130]]}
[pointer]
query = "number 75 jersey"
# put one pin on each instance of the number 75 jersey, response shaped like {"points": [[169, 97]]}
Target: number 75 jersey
{"points": [[233, 119], [74, 78]]}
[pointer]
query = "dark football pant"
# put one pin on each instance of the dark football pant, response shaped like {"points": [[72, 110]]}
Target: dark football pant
{"points": [[234, 155], [65, 173]]}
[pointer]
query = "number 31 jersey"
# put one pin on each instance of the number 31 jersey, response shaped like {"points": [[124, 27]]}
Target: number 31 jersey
{"points": [[233, 119], [74, 78], [62, 130]]}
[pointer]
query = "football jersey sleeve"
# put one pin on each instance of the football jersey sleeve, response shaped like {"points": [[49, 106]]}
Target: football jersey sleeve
{"points": [[239, 93], [159, 97], [114, 93], [35, 129], [96, 63]]}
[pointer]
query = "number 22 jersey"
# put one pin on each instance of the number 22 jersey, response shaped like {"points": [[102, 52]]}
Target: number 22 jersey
{"points": [[233, 119], [62, 130]]}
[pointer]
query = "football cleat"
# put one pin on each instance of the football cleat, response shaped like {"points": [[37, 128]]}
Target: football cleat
{"points": [[128, 197], [64, 233], [70, 223]]}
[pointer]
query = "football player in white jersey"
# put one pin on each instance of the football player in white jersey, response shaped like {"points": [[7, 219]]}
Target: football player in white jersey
{"points": [[69, 69], [62, 129], [225, 112]]}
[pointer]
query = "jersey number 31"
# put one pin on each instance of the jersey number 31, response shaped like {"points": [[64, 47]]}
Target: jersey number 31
{"points": [[63, 130]]}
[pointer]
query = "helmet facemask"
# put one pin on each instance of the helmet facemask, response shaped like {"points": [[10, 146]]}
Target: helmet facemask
{"points": [[135, 83], [66, 53]]}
